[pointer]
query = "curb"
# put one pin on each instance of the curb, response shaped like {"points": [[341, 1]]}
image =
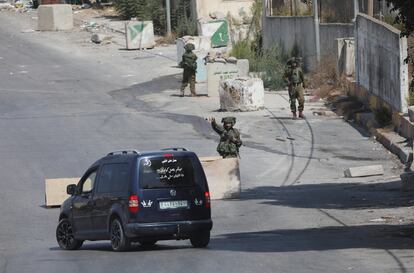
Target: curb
{"points": [[391, 140]]}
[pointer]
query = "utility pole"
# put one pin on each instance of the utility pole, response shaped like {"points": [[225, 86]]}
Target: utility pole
{"points": [[316, 21], [371, 8], [168, 8]]}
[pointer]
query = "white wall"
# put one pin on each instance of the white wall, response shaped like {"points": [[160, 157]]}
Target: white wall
{"points": [[205, 7], [380, 66]]}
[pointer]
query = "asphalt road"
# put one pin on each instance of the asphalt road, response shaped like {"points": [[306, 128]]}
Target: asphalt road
{"points": [[60, 112]]}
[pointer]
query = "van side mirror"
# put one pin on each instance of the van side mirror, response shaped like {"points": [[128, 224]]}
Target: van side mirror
{"points": [[71, 189]]}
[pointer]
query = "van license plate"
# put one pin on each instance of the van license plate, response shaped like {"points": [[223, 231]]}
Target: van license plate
{"points": [[173, 204]]}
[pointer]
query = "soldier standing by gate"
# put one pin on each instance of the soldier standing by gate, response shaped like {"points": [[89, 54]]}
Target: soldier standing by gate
{"points": [[189, 63], [295, 81]]}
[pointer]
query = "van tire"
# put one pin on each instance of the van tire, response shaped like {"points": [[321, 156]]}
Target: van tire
{"points": [[119, 241], [201, 239], [65, 236]]}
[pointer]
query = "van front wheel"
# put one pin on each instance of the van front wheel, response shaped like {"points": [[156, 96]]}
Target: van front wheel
{"points": [[201, 239]]}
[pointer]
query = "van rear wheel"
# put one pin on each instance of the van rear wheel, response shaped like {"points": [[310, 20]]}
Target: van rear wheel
{"points": [[119, 240], [201, 239]]}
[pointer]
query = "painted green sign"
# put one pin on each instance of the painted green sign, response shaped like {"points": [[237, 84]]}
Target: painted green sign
{"points": [[220, 37], [135, 30]]}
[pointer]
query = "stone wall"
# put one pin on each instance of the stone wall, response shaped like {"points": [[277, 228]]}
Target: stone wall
{"points": [[380, 66]]}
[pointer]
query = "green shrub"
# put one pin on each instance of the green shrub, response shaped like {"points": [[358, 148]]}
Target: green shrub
{"points": [[269, 63], [243, 50]]}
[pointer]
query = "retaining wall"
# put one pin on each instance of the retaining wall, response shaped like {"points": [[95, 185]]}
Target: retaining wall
{"points": [[380, 67]]}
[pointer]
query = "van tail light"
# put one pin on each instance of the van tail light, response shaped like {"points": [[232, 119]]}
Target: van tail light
{"points": [[207, 196], [133, 204]]}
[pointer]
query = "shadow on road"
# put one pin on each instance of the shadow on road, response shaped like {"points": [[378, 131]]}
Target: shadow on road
{"points": [[333, 196], [318, 239]]}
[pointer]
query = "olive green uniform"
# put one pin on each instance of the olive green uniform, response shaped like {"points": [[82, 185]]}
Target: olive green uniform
{"points": [[230, 141], [295, 79], [189, 63]]}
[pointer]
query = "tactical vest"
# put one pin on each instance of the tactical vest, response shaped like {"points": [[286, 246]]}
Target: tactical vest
{"points": [[295, 76], [189, 61]]}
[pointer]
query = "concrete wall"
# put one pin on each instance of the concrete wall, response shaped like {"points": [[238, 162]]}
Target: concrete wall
{"points": [[330, 32], [300, 30], [380, 67], [204, 7], [290, 31]]}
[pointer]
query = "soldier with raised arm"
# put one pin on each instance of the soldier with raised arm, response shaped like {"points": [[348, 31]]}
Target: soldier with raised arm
{"points": [[230, 141]]}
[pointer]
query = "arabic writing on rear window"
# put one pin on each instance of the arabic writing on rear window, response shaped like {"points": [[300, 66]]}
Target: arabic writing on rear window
{"points": [[166, 172]]}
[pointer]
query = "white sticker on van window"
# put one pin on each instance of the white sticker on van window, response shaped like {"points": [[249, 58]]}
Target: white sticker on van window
{"points": [[147, 162], [167, 161]]}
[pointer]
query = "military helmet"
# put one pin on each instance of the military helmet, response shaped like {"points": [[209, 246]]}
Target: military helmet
{"points": [[228, 120], [189, 47]]}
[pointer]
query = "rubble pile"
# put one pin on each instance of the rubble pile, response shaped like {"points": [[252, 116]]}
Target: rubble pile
{"points": [[19, 6]]}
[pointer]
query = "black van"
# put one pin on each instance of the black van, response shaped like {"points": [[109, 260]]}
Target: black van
{"points": [[129, 196]]}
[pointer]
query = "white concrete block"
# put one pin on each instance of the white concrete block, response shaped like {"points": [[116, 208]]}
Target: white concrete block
{"points": [[223, 176], [55, 190], [242, 94], [139, 35], [364, 171], [217, 72], [407, 180], [54, 17]]}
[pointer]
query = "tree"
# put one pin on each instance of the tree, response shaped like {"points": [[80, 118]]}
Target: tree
{"points": [[405, 14]]}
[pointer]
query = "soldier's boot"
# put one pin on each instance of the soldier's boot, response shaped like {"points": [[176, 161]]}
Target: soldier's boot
{"points": [[294, 115], [301, 115]]}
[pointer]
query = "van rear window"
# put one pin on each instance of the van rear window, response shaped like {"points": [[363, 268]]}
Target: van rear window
{"points": [[166, 172]]}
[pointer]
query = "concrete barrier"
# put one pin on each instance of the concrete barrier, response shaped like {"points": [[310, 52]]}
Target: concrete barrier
{"points": [[54, 17], [217, 30], [223, 176], [55, 190], [241, 94], [217, 72], [139, 35], [364, 171]]}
